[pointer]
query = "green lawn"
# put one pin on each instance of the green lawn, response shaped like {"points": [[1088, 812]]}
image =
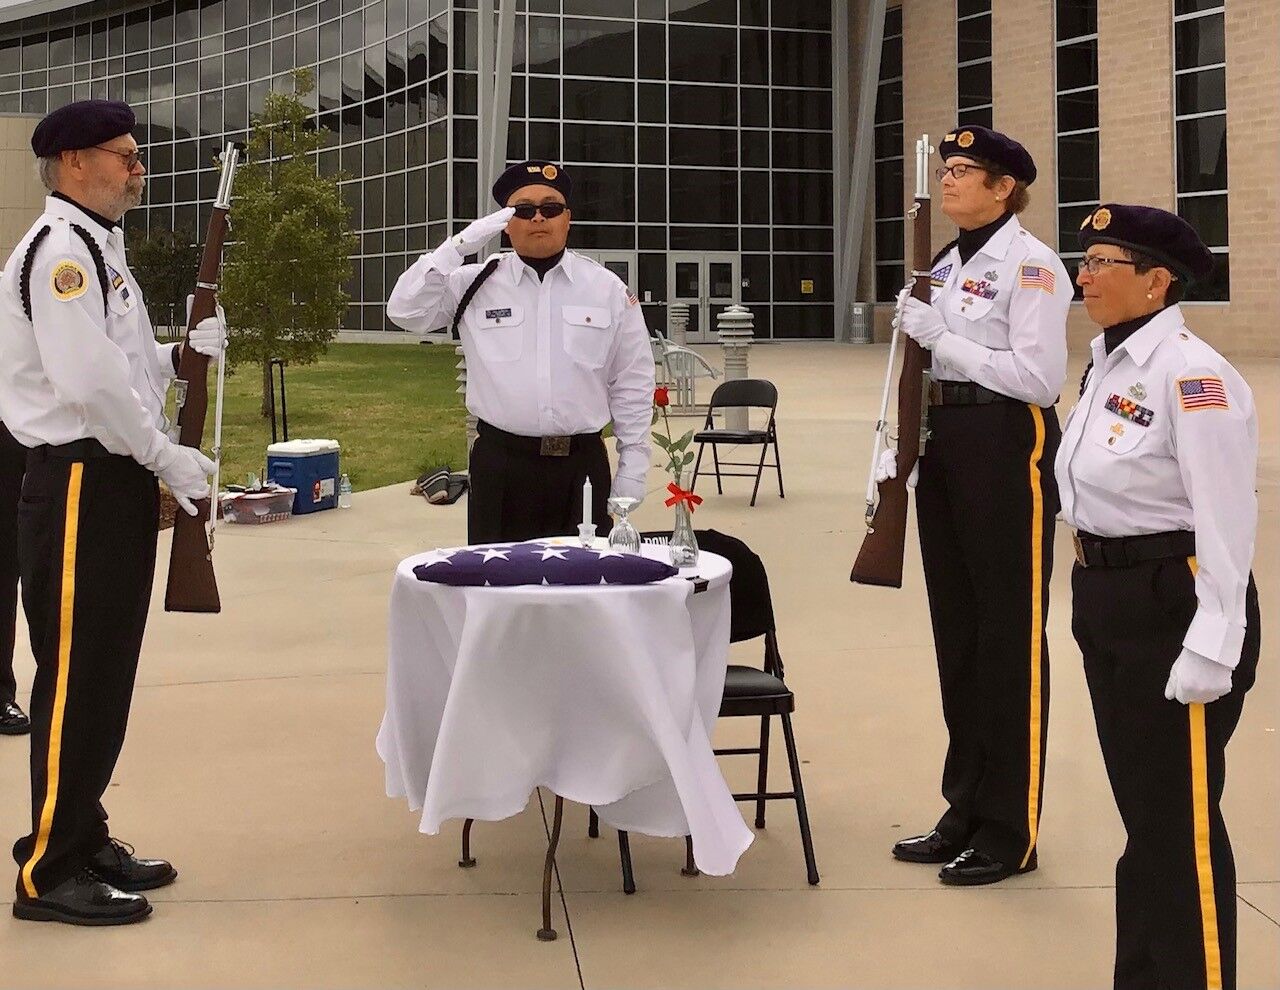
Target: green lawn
{"points": [[392, 407]]}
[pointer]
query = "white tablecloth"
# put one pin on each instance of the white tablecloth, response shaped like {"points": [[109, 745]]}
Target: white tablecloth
{"points": [[606, 695]]}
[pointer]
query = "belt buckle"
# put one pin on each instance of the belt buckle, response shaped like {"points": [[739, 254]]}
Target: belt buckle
{"points": [[554, 447], [1075, 539]]}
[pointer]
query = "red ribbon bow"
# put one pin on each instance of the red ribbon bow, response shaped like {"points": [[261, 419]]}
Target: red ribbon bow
{"points": [[678, 494]]}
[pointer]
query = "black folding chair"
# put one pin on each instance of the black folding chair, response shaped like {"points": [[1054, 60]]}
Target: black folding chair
{"points": [[752, 393], [748, 692]]}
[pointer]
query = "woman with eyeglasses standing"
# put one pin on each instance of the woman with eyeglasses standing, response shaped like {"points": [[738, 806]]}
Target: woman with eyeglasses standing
{"points": [[985, 504], [1158, 470], [556, 348]]}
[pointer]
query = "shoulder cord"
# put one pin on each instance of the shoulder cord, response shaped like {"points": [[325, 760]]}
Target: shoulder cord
{"points": [[98, 261], [469, 294], [24, 279], [1084, 379]]}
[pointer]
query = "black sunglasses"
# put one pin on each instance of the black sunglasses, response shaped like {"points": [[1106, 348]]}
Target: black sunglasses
{"points": [[527, 211]]}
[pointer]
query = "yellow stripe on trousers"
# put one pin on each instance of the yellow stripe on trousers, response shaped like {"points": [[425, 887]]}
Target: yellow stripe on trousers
{"points": [[1037, 627], [1204, 855], [65, 616]]}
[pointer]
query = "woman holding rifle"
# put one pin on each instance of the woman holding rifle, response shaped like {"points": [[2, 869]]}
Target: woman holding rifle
{"points": [[985, 503]]}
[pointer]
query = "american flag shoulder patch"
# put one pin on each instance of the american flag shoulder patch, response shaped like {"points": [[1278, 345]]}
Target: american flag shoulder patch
{"points": [[1037, 277], [1202, 393], [631, 299]]}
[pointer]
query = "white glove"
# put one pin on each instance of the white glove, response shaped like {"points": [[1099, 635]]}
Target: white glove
{"points": [[922, 323], [478, 233], [186, 471], [209, 336], [1196, 679], [887, 467]]}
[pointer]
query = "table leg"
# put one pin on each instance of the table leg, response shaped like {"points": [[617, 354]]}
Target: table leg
{"points": [[546, 933], [690, 869], [466, 861]]}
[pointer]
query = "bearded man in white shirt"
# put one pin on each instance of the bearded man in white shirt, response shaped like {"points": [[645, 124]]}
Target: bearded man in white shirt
{"points": [[556, 349]]}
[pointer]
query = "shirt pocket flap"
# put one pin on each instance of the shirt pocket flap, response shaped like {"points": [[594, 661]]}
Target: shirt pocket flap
{"points": [[969, 306], [1119, 436], [491, 317], [587, 316]]}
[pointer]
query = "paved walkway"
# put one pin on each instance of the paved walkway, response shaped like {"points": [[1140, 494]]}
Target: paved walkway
{"points": [[250, 763]]}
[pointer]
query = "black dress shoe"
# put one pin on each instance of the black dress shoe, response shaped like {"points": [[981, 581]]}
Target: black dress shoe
{"points": [[973, 869], [13, 720], [117, 865], [83, 900], [930, 848]]}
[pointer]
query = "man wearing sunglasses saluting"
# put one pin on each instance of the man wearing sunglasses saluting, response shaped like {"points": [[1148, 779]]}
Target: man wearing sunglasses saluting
{"points": [[556, 349]]}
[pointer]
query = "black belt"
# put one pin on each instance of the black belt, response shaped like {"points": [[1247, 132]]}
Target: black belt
{"points": [[544, 446], [1126, 551], [943, 393], [76, 450]]}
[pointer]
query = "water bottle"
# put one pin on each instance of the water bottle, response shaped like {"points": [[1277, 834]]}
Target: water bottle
{"points": [[344, 493]]}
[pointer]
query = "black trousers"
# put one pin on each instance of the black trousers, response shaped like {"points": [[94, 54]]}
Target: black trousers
{"points": [[1176, 881], [87, 542], [13, 462], [518, 494], [985, 505]]}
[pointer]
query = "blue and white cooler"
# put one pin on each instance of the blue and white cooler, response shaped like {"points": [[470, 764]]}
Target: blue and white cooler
{"points": [[310, 466]]}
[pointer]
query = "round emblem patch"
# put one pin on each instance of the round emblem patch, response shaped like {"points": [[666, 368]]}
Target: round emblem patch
{"points": [[1102, 219], [550, 172], [965, 140], [68, 280]]}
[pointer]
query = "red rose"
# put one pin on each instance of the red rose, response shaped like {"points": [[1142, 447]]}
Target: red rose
{"points": [[660, 397]]}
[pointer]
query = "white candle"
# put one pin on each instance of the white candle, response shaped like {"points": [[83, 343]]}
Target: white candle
{"points": [[586, 502]]}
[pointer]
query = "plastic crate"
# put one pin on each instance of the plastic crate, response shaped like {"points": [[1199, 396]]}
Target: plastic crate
{"points": [[274, 505]]}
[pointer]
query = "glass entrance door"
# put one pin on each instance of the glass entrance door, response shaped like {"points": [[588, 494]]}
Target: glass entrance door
{"points": [[621, 263], [707, 283]]}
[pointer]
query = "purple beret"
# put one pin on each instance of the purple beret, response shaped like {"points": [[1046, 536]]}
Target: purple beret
{"points": [[1161, 235], [81, 125], [532, 173], [999, 149]]}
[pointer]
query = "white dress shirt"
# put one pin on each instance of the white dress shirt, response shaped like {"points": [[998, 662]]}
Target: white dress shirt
{"points": [[71, 372], [556, 357], [1192, 466], [1007, 312]]}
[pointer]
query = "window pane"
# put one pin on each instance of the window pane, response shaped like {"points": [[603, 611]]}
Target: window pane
{"points": [[652, 102], [756, 197], [705, 146], [801, 149], [973, 39], [1078, 168], [703, 196], [815, 16], [1202, 154], [705, 11], [594, 99], [1192, 6], [713, 105], [801, 59], [1078, 111], [652, 42], [1078, 65], [652, 145], [1200, 92], [604, 194], [1069, 220], [1216, 287], [598, 48], [889, 102], [1199, 42], [755, 57], [544, 97], [966, 8], [801, 322], [652, 205], [755, 107], [891, 57], [600, 8], [703, 54], [1208, 214], [889, 241], [974, 84], [598, 143], [802, 198], [889, 179], [889, 141], [801, 108], [1076, 18]]}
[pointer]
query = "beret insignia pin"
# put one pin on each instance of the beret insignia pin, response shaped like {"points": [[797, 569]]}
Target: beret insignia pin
{"points": [[965, 140], [550, 172], [1102, 219]]}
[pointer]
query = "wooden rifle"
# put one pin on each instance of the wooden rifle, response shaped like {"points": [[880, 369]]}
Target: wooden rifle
{"points": [[192, 586], [880, 559]]}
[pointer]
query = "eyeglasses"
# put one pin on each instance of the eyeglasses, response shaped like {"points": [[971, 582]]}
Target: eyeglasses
{"points": [[959, 171], [131, 159], [527, 211], [1094, 265]]}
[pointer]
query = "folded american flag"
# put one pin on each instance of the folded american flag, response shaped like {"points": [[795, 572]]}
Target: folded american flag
{"points": [[540, 563]]}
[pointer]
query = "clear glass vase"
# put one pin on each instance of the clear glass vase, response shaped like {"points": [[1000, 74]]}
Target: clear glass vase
{"points": [[684, 544]]}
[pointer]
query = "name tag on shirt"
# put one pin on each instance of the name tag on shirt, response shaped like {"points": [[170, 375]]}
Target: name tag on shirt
{"points": [[497, 314]]}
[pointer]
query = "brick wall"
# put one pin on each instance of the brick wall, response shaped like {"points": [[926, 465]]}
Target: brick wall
{"points": [[21, 195], [1135, 41]]}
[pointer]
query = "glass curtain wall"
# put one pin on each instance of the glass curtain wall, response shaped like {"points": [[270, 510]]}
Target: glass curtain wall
{"points": [[689, 125]]}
